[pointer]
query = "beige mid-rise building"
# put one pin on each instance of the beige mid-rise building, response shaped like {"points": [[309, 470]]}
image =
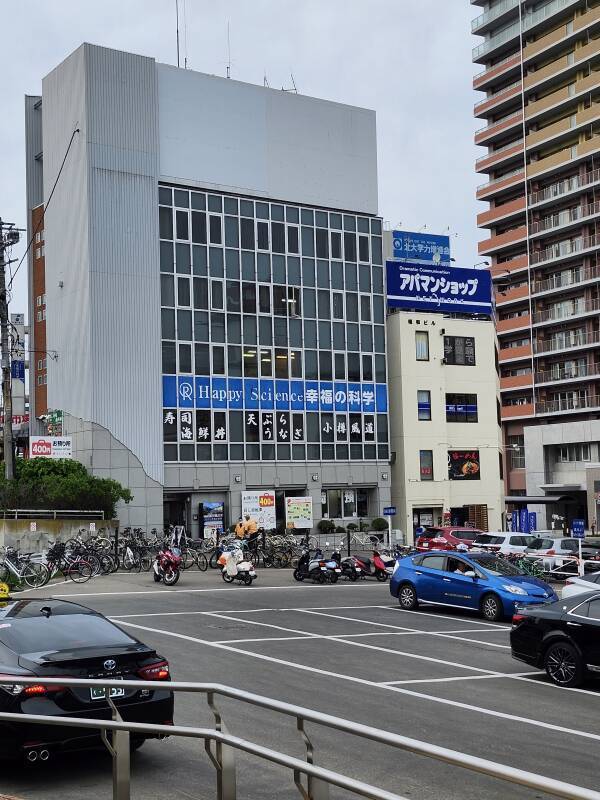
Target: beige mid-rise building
{"points": [[444, 421]]}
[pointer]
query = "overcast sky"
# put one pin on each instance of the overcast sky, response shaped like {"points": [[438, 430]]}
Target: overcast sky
{"points": [[410, 60]]}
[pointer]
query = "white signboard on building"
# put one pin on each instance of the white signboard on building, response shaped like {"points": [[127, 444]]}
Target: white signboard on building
{"points": [[260, 507], [50, 447]]}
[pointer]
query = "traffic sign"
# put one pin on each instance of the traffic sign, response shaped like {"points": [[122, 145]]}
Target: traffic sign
{"points": [[578, 528], [389, 511]]}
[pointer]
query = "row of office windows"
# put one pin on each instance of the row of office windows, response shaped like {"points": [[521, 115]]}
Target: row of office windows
{"points": [[459, 407], [267, 362]]}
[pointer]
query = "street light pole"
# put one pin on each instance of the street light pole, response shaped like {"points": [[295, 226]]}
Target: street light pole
{"points": [[8, 237]]}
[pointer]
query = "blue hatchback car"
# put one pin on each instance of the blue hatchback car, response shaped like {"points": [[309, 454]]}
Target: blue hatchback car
{"points": [[483, 582]]}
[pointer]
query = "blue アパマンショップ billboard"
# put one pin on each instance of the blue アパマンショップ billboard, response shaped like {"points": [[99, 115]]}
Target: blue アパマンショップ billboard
{"points": [[422, 287], [421, 248]]}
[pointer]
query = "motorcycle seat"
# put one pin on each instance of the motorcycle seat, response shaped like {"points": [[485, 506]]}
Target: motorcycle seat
{"points": [[366, 562]]}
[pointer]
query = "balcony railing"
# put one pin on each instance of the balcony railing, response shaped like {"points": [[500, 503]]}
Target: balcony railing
{"points": [[579, 339], [491, 125], [564, 187], [564, 279], [562, 373], [567, 404], [495, 95], [566, 248], [493, 13], [566, 312], [495, 41], [495, 66], [504, 177], [547, 11], [565, 217]]}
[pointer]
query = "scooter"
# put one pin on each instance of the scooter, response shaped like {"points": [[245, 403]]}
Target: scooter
{"points": [[236, 568], [377, 567], [167, 566], [349, 568], [317, 567]]}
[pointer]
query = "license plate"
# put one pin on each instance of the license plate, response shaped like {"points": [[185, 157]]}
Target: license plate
{"points": [[98, 693], [425, 544]]}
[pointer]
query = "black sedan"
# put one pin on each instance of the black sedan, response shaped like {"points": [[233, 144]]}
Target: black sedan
{"points": [[561, 637], [55, 638]]}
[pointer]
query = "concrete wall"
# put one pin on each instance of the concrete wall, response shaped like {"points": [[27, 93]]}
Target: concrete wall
{"points": [[106, 457], [17, 533], [409, 435], [102, 272], [244, 138]]}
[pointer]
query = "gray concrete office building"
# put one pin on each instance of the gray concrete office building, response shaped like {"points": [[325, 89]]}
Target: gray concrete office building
{"points": [[214, 288]]}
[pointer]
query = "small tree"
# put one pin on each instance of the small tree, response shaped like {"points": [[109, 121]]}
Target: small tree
{"points": [[379, 524]]}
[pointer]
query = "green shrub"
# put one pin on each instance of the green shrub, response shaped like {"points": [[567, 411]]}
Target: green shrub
{"points": [[352, 526], [59, 484], [326, 526], [340, 529]]}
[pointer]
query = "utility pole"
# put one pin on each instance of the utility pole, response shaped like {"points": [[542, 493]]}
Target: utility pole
{"points": [[8, 237]]}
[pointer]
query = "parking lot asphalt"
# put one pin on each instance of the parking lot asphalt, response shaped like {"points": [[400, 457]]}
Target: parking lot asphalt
{"points": [[441, 676]]}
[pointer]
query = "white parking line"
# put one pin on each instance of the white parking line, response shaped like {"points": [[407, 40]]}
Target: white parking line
{"points": [[389, 650], [459, 678], [166, 592], [399, 627], [372, 684], [398, 610]]}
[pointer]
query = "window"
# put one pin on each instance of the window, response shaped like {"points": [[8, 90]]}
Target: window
{"points": [[426, 465], [459, 350], [422, 345], [574, 452], [461, 408], [516, 448], [38, 300], [424, 404], [434, 562]]}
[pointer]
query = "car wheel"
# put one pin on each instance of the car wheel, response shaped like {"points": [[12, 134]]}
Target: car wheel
{"points": [[563, 665], [407, 597], [491, 608]]}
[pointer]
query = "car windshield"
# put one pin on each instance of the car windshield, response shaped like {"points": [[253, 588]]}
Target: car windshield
{"points": [[465, 534], [65, 632], [540, 544], [494, 565]]}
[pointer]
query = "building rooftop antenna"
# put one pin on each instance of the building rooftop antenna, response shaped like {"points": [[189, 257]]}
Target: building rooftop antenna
{"points": [[185, 47], [177, 27], [228, 52], [265, 81], [293, 82]]}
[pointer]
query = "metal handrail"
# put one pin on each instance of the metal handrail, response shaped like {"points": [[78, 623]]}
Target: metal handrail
{"points": [[47, 513], [120, 747], [580, 339], [565, 217], [559, 281], [494, 66]]}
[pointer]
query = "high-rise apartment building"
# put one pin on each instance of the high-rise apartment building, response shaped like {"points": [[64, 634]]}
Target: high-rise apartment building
{"points": [[212, 285], [541, 78]]}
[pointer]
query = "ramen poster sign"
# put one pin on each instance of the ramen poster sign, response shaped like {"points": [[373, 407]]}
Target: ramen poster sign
{"points": [[463, 465]]}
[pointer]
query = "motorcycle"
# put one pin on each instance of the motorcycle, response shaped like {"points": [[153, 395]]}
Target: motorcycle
{"points": [[349, 568], [377, 567], [167, 566], [317, 567], [234, 567]]}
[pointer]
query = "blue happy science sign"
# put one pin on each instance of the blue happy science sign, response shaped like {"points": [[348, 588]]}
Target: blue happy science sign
{"points": [[252, 393], [422, 248], [438, 288]]}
